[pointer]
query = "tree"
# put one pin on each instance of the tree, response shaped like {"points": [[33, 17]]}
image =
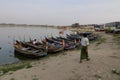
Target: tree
{"points": [[75, 25]]}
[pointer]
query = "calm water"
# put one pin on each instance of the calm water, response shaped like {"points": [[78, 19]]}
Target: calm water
{"points": [[9, 34]]}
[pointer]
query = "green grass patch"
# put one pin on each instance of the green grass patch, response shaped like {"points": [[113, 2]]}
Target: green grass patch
{"points": [[99, 40], [14, 67], [35, 79], [114, 71], [117, 38], [12, 79], [98, 77]]}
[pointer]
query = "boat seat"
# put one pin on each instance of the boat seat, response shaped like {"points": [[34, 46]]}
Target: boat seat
{"points": [[35, 51], [25, 48]]}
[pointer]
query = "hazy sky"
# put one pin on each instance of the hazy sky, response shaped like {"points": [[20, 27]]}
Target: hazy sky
{"points": [[59, 12]]}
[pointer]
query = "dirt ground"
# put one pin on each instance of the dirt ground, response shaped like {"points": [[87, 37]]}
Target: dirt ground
{"points": [[65, 66]]}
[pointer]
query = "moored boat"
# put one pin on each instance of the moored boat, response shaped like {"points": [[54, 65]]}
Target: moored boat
{"points": [[27, 51], [50, 47], [66, 43]]}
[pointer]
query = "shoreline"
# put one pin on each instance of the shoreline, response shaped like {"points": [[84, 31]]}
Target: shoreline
{"points": [[105, 57]]}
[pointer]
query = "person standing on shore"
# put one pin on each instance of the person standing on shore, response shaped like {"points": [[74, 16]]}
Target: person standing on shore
{"points": [[84, 48]]}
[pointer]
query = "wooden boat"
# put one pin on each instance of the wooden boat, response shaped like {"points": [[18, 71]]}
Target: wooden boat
{"points": [[38, 45], [53, 47], [91, 36], [67, 44], [50, 47], [27, 51]]}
